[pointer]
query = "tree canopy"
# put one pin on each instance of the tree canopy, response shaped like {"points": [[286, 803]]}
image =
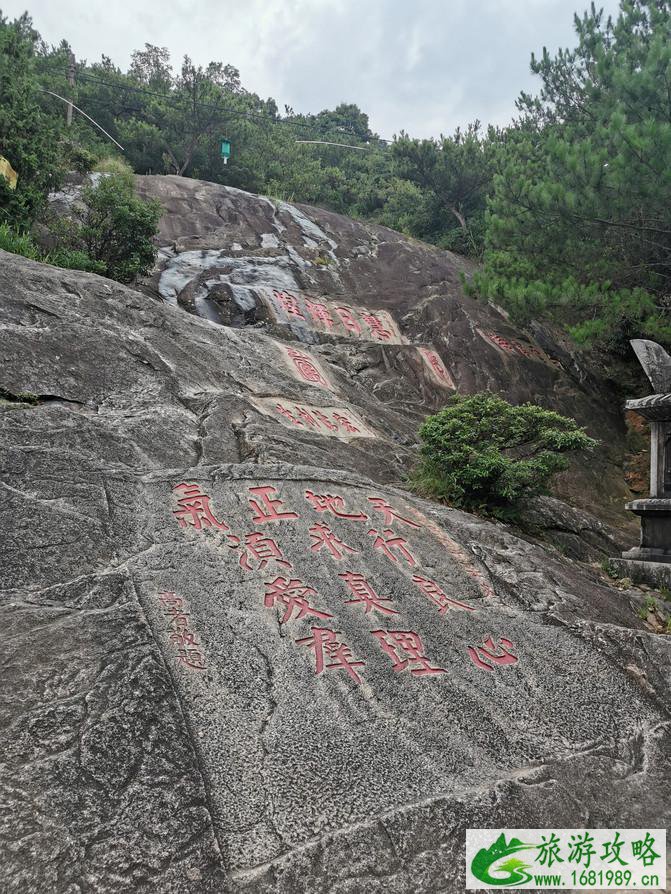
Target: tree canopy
{"points": [[579, 222]]}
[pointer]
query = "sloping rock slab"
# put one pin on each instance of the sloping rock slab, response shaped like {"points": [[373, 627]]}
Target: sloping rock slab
{"points": [[231, 664]]}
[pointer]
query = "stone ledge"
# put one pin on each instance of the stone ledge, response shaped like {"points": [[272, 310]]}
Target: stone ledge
{"points": [[650, 504], [654, 574]]}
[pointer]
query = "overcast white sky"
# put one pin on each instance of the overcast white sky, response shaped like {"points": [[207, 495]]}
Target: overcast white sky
{"points": [[424, 66]]}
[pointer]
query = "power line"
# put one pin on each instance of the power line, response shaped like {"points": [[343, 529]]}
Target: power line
{"points": [[328, 143], [71, 104]]}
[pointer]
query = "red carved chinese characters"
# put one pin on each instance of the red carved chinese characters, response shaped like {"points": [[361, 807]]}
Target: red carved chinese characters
{"points": [[345, 423], [437, 366], [365, 595], [307, 417], [406, 651], [348, 319], [377, 329], [389, 513], [431, 589], [334, 504], [194, 508], [293, 594], [189, 648], [266, 508], [306, 367], [283, 411], [392, 546], [500, 341], [289, 303], [531, 352], [325, 421], [319, 313], [261, 550], [489, 654], [311, 417], [323, 537], [330, 653]]}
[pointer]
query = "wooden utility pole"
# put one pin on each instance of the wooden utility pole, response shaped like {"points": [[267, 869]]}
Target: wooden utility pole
{"points": [[71, 82]]}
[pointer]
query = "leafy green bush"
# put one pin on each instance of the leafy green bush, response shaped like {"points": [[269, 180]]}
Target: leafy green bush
{"points": [[73, 259], [118, 228], [18, 243], [69, 258], [112, 164], [30, 129], [482, 453], [78, 157], [113, 237]]}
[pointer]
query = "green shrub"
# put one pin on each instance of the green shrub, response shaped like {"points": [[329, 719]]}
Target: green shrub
{"points": [[112, 164], [113, 235], [18, 243], [22, 398], [79, 158], [112, 238], [118, 228], [74, 259], [484, 454]]}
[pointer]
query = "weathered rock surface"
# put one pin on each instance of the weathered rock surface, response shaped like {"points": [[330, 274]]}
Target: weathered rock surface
{"points": [[224, 250], [237, 655]]}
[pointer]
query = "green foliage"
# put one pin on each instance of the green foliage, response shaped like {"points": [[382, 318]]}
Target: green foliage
{"points": [[118, 228], [608, 568], [113, 238], [79, 158], [484, 454], [17, 243], [454, 175], [22, 398], [579, 222], [112, 164], [29, 133], [74, 259]]}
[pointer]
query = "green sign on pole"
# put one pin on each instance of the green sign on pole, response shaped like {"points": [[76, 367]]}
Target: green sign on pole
{"points": [[225, 150]]}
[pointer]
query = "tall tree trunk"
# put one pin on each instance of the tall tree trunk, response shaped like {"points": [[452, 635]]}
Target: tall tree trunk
{"points": [[460, 217]]}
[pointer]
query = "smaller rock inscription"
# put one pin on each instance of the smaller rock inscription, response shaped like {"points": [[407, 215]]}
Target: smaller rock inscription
{"points": [[435, 367], [182, 637], [334, 422], [305, 368], [330, 317], [512, 346]]}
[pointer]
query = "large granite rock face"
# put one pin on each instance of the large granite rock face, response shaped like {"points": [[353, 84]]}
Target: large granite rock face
{"points": [[223, 251], [238, 656]]}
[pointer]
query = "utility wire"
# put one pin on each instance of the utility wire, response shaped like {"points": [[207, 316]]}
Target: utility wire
{"points": [[329, 143], [70, 103]]}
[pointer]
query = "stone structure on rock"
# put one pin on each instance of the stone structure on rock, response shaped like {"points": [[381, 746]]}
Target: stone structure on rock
{"points": [[652, 558], [239, 656]]}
